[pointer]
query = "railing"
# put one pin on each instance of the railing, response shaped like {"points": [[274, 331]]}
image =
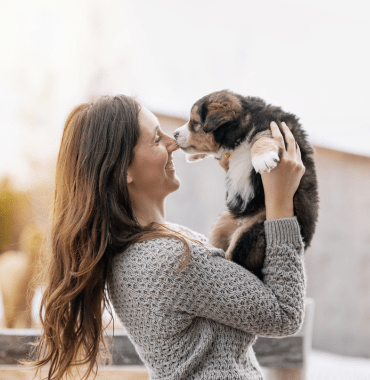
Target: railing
{"points": [[284, 358]]}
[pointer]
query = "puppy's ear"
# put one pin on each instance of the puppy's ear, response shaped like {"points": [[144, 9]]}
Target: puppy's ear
{"points": [[222, 108], [195, 157], [212, 124]]}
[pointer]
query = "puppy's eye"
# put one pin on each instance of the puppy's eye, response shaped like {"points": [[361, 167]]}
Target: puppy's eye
{"points": [[195, 123]]}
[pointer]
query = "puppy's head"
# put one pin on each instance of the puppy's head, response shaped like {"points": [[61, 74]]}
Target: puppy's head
{"points": [[217, 122]]}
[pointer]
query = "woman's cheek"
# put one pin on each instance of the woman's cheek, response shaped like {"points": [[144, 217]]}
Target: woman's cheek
{"points": [[151, 166], [155, 168]]}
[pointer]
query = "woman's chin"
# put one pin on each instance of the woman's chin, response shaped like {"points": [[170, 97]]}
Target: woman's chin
{"points": [[175, 184]]}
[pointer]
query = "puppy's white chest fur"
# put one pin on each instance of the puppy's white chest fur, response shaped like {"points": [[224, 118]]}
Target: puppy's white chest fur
{"points": [[238, 180]]}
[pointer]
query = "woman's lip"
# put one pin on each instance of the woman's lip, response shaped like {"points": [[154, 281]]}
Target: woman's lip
{"points": [[170, 165]]}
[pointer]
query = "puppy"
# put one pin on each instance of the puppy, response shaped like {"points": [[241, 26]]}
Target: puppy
{"points": [[225, 122]]}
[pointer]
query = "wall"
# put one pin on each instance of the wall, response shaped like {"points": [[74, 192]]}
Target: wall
{"points": [[338, 262]]}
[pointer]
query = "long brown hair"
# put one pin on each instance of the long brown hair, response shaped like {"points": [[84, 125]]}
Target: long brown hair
{"points": [[92, 221]]}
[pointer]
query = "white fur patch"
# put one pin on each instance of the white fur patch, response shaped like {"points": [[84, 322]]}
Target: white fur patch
{"points": [[183, 136], [238, 176], [195, 157], [265, 162]]}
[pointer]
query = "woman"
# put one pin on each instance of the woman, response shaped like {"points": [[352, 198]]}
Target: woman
{"points": [[190, 313]]}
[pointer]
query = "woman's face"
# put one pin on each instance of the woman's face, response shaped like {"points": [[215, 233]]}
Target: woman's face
{"points": [[152, 170]]}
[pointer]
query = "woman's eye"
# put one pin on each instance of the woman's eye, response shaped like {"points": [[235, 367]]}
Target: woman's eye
{"points": [[158, 139]]}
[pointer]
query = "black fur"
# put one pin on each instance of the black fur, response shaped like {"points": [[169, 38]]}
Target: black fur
{"points": [[243, 253], [232, 120]]}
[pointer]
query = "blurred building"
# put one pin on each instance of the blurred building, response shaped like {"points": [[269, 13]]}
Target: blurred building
{"points": [[338, 261], [59, 54]]}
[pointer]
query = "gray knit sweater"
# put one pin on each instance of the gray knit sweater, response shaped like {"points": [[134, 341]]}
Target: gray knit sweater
{"points": [[202, 323]]}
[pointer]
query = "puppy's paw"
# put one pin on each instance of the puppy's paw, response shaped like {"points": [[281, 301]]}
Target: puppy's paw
{"points": [[265, 162], [195, 157]]}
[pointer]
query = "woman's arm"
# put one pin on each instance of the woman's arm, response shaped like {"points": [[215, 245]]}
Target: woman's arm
{"points": [[211, 287]]}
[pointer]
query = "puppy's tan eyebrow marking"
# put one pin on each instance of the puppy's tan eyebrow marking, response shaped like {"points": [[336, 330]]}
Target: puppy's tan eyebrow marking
{"points": [[194, 116]]}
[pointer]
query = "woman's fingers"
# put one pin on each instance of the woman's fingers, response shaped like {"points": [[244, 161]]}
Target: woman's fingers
{"points": [[300, 158], [276, 134], [298, 151], [289, 138], [292, 147]]}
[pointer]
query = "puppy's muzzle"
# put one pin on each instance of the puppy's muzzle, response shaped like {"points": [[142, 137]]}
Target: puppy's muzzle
{"points": [[181, 136]]}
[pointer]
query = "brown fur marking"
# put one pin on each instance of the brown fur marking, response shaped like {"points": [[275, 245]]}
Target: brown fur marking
{"points": [[204, 142], [224, 102], [264, 145], [222, 107], [246, 224], [194, 114], [222, 230]]}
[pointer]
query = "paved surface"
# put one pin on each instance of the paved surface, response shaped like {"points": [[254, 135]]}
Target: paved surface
{"points": [[326, 366]]}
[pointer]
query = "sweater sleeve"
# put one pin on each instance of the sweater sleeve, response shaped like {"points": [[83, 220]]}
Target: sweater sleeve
{"points": [[215, 288]]}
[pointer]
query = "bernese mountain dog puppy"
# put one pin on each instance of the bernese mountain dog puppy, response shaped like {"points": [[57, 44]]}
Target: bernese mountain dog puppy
{"points": [[227, 123]]}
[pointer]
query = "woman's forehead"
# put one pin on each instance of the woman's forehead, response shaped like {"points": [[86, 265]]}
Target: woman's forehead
{"points": [[148, 123]]}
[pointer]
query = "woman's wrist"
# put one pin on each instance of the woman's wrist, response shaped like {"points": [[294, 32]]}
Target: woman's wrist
{"points": [[279, 211]]}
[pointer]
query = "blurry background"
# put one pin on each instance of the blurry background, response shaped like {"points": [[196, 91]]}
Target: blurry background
{"points": [[311, 57]]}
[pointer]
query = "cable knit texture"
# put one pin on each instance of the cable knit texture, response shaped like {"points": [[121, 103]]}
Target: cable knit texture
{"points": [[202, 322]]}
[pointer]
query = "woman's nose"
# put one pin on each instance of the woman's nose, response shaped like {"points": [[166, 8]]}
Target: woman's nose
{"points": [[171, 144]]}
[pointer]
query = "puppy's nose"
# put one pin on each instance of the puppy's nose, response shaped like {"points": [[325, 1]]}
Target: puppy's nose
{"points": [[176, 134]]}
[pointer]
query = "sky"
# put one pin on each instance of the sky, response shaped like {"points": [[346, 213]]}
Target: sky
{"points": [[309, 57]]}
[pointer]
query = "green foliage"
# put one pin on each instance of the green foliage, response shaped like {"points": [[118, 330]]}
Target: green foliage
{"points": [[14, 209]]}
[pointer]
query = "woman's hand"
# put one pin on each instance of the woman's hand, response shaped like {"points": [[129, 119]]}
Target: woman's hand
{"points": [[282, 182]]}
